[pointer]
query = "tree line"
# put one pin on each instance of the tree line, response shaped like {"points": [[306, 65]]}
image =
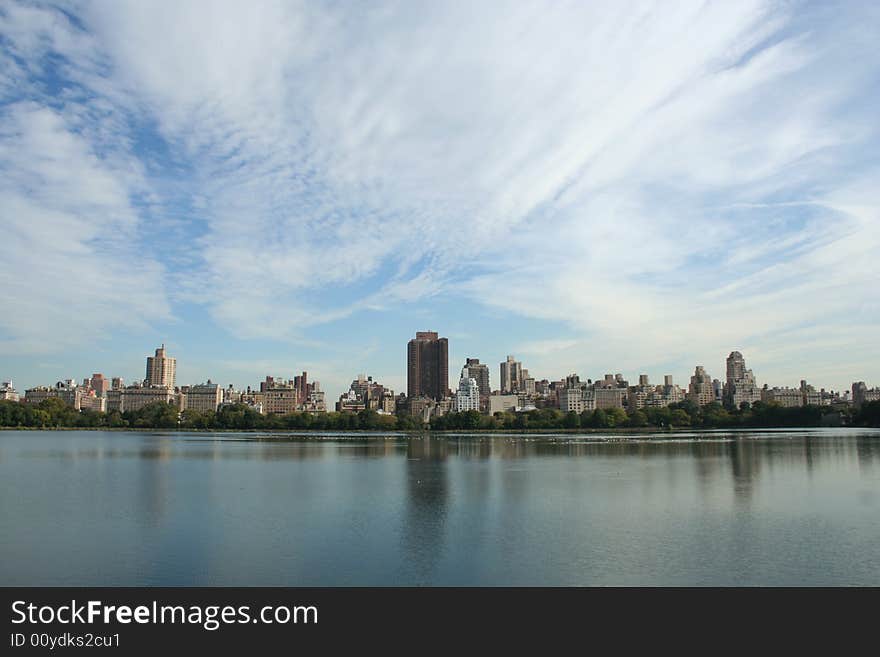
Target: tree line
{"points": [[679, 415], [54, 413]]}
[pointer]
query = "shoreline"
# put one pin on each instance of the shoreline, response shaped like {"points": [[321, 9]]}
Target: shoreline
{"points": [[635, 431]]}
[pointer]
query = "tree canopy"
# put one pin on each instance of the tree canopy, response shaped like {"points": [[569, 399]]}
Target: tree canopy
{"points": [[53, 412]]}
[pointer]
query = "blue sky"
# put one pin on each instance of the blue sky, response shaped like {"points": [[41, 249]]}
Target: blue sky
{"points": [[594, 187]]}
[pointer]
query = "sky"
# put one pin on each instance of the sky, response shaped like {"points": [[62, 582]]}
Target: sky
{"points": [[270, 187]]}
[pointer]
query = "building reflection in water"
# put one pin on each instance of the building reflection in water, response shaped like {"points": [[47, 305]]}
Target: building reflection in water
{"points": [[739, 456], [708, 458], [152, 501], [745, 468], [743, 452], [867, 451], [173, 508], [427, 490]]}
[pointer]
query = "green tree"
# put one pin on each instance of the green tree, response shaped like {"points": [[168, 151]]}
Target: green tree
{"points": [[868, 414], [599, 419], [470, 420], [679, 418], [60, 413], [114, 419], [638, 419], [41, 418], [192, 419], [158, 415], [615, 417], [408, 423], [368, 419]]}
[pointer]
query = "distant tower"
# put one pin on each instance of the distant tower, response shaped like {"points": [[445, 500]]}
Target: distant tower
{"points": [[468, 397], [736, 367], [700, 390], [511, 375], [161, 370], [301, 383], [480, 372], [427, 366], [100, 384], [740, 385]]}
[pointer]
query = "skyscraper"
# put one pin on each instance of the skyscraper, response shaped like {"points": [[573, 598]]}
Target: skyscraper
{"points": [[480, 372], [100, 384], [740, 385], [427, 366], [468, 397], [301, 383], [700, 390], [511, 375], [861, 394], [161, 369]]}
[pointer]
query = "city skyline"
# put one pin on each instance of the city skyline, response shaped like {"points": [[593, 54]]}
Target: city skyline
{"points": [[335, 385], [591, 188], [734, 385]]}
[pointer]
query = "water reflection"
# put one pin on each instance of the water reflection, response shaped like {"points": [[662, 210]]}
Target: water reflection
{"points": [[868, 450], [427, 492], [744, 465], [152, 481], [743, 453], [180, 508]]}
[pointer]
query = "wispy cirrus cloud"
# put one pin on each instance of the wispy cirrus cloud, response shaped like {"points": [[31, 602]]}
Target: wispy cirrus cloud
{"points": [[663, 181], [69, 239]]}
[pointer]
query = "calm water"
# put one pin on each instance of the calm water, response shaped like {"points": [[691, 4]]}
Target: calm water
{"points": [[756, 508]]}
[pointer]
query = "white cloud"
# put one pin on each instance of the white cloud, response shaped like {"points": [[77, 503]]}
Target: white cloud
{"points": [[668, 180], [69, 236]]}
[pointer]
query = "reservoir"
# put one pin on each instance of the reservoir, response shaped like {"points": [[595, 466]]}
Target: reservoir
{"points": [[767, 508]]}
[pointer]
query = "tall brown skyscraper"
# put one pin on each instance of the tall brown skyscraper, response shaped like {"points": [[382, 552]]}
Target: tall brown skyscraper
{"points": [[427, 366], [301, 383]]}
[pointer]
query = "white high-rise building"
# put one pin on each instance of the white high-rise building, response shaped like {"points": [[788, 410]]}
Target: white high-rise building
{"points": [[468, 397]]}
